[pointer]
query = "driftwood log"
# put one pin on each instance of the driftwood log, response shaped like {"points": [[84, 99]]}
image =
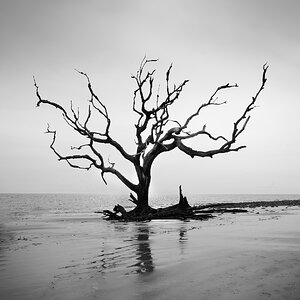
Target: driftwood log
{"points": [[180, 211]]}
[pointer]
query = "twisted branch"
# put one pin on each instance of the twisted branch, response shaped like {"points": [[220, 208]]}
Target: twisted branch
{"points": [[105, 138], [238, 126], [154, 133]]}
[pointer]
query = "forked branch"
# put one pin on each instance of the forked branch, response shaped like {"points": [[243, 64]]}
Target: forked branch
{"points": [[73, 121], [238, 126]]}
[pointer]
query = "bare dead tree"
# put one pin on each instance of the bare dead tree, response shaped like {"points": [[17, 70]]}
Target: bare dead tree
{"points": [[155, 131]]}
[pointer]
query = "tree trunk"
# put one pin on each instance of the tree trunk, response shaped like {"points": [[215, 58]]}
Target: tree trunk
{"points": [[143, 193]]}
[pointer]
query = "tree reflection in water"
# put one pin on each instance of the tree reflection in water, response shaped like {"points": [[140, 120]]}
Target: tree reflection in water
{"points": [[182, 238], [182, 234], [144, 257]]}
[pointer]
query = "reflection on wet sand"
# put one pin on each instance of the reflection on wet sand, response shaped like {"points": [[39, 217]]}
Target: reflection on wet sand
{"points": [[133, 256], [182, 237], [133, 253], [144, 256]]}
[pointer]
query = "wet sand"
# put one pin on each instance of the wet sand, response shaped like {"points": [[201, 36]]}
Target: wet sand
{"points": [[241, 256]]}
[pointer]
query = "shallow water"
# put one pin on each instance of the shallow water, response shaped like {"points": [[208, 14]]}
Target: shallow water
{"points": [[56, 247]]}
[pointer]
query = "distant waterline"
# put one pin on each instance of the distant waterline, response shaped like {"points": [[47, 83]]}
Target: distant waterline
{"points": [[15, 206]]}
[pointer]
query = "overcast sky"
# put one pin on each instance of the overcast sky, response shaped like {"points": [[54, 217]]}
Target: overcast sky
{"points": [[208, 42]]}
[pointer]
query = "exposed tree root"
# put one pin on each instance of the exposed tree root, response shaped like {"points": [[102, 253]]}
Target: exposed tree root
{"points": [[183, 210], [170, 212]]}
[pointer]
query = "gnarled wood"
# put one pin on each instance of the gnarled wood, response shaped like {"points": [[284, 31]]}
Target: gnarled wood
{"points": [[155, 133], [181, 211]]}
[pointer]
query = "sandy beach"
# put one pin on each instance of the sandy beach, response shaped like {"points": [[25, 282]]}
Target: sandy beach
{"points": [[234, 256]]}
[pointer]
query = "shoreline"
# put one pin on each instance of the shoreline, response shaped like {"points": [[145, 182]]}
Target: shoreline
{"points": [[253, 204], [234, 256]]}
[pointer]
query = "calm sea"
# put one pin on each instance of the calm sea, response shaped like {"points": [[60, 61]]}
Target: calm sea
{"points": [[18, 206]]}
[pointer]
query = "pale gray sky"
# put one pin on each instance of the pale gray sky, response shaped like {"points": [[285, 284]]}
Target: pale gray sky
{"points": [[209, 42]]}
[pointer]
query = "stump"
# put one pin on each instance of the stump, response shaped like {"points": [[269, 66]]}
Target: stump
{"points": [[181, 211]]}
